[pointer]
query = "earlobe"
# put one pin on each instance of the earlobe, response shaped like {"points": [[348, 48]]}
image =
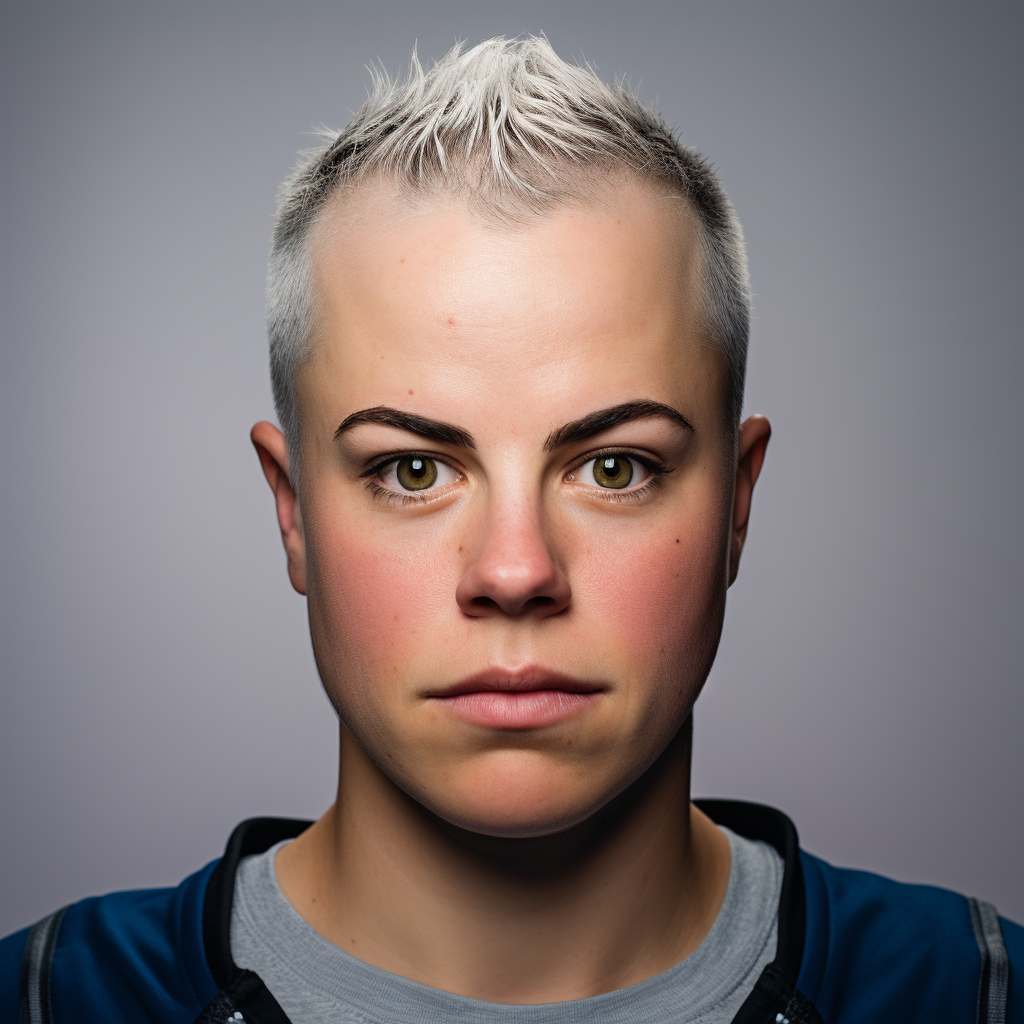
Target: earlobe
{"points": [[272, 449], [755, 432]]}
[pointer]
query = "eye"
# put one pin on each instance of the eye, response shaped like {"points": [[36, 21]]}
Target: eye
{"points": [[612, 471], [416, 473]]}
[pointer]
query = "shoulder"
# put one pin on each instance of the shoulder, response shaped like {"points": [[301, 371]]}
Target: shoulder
{"points": [[877, 950], [127, 956]]}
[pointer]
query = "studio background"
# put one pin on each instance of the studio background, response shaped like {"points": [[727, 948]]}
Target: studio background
{"points": [[157, 680]]}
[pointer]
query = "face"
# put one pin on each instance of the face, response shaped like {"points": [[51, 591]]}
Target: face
{"points": [[518, 520]]}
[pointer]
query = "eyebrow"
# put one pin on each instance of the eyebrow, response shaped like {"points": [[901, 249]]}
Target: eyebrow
{"points": [[571, 433], [434, 430], [604, 419]]}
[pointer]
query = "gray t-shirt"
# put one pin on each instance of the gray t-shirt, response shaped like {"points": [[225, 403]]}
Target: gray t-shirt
{"points": [[318, 983]]}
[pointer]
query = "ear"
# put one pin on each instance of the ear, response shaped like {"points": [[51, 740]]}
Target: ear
{"points": [[272, 449], [755, 433]]}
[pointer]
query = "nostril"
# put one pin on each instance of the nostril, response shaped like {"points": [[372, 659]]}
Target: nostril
{"points": [[483, 605]]}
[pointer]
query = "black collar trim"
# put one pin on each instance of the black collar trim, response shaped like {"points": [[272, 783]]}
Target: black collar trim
{"points": [[255, 835], [756, 821]]}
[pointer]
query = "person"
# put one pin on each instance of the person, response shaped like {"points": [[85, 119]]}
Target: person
{"points": [[508, 316]]}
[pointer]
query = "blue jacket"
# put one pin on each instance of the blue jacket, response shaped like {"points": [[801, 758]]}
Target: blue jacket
{"points": [[853, 948]]}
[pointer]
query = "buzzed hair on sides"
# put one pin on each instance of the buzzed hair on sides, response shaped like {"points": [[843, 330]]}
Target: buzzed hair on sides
{"points": [[511, 129]]}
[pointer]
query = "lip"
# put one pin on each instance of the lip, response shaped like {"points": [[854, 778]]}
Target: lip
{"points": [[525, 698]]}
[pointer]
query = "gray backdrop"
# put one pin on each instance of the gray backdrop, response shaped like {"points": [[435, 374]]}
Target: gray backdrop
{"points": [[157, 680]]}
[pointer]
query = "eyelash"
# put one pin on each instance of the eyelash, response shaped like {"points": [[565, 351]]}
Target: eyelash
{"points": [[637, 494], [396, 498], [392, 498]]}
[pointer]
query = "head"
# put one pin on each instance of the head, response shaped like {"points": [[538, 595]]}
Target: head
{"points": [[508, 317]]}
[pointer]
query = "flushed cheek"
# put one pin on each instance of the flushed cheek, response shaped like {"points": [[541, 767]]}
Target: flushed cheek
{"points": [[373, 606], [659, 607]]}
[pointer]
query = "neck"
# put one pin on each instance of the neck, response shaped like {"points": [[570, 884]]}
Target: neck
{"points": [[615, 900]]}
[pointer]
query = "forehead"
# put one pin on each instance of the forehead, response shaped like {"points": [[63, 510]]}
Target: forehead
{"points": [[430, 295]]}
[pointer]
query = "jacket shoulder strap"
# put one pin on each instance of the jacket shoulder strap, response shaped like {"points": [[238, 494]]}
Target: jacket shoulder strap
{"points": [[994, 979], [36, 964]]}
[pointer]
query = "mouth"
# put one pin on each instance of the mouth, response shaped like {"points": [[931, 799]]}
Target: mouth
{"points": [[527, 698]]}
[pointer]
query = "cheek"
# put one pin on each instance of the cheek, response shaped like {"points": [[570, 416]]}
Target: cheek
{"points": [[663, 600], [373, 601]]}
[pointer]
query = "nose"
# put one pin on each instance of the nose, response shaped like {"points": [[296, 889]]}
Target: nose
{"points": [[513, 572]]}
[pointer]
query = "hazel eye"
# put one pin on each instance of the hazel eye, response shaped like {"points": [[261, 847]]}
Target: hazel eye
{"points": [[616, 471], [612, 471], [416, 473]]}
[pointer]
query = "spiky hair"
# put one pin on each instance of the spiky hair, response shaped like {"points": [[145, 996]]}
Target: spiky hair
{"points": [[511, 129]]}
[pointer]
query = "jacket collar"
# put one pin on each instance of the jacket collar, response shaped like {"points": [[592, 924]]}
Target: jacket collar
{"points": [[255, 835], [775, 997]]}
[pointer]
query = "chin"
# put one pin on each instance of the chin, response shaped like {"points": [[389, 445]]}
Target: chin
{"points": [[513, 822], [517, 798]]}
